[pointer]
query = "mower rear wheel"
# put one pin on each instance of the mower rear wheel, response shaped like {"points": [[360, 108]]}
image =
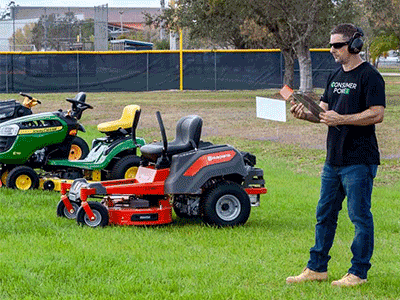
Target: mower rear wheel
{"points": [[126, 167], [99, 211], [79, 149], [22, 178], [63, 212], [227, 204]]}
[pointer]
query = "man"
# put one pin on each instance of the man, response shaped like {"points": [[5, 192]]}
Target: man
{"points": [[354, 100]]}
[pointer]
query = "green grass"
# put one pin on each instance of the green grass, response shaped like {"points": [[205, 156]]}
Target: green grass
{"points": [[43, 256], [46, 257], [394, 69]]}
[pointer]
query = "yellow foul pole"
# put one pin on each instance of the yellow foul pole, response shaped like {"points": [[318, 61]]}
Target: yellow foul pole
{"points": [[181, 59]]}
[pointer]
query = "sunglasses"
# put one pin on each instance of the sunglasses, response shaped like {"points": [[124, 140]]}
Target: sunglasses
{"points": [[338, 45]]}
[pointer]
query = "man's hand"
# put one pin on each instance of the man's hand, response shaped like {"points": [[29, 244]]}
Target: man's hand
{"points": [[330, 118], [297, 110]]}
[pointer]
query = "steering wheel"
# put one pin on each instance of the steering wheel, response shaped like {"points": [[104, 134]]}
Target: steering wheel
{"points": [[29, 97], [163, 134], [76, 102]]}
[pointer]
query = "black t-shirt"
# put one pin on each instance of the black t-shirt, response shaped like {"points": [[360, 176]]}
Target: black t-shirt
{"points": [[350, 93]]}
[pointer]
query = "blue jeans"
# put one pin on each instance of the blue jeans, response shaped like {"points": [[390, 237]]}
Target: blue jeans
{"points": [[356, 183]]}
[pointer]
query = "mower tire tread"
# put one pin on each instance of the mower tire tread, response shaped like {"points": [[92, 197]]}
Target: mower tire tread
{"points": [[64, 213], [120, 168]]}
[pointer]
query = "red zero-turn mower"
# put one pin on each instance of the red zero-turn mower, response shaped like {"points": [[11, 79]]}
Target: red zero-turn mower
{"points": [[195, 178]]}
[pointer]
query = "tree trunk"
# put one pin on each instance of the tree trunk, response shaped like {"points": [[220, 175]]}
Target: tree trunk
{"points": [[289, 56], [304, 57]]}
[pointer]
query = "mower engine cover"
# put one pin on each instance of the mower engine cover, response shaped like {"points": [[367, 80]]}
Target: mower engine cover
{"points": [[191, 170]]}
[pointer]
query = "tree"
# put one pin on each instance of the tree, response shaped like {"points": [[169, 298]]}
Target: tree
{"points": [[294, 26], [382, 44], [22, 38], [383, 17], [290, 23], [57, 32], [218, 21]]}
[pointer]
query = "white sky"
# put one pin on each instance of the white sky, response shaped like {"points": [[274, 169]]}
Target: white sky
{"points": [[84, 3]]}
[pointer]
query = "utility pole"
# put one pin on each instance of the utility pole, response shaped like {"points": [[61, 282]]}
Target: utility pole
{"points": [[120, 13], [11, 5], [173, 36], [162, 30]]}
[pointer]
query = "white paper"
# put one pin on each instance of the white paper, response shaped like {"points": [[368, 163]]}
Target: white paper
{"points": [[271, 109]]}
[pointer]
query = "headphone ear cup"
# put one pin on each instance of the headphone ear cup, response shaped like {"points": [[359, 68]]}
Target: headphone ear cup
{"points": [[355, 45]]}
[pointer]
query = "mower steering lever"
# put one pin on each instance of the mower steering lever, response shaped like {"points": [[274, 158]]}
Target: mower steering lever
{"points": [[163, 134]]}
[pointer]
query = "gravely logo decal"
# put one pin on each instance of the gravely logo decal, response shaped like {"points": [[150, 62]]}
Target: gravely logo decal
{"points": [[209, 159]]}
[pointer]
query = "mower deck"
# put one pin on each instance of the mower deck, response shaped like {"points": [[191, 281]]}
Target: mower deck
{"points": [[141, 216]]}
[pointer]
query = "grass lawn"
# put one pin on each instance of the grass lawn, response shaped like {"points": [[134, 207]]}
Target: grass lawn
{"points": [[46, 257]]}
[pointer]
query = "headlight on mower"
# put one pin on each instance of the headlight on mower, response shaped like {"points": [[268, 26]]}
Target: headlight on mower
{"points": [[9, 130]]}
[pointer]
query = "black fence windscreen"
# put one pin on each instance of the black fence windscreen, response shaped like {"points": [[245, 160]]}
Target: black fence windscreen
{"points": [[150, 71]]}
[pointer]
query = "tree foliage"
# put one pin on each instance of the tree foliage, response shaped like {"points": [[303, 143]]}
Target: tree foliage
{"points": [[22, 39], [55, 31], [383, 18], [382, 44], [219, 21]]}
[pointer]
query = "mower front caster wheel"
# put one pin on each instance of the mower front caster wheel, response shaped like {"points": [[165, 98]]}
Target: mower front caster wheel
{"points": [[22, 178], [100, 212], [63, 212], [227, 204]]}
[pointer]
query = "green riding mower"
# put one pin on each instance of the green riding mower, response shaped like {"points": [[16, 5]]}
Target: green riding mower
{"points": [[28, 140], [38, 150], [111, 157]]}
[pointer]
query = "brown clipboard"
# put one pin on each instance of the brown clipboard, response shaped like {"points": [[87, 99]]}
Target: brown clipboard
{"points": [[286, 92]]}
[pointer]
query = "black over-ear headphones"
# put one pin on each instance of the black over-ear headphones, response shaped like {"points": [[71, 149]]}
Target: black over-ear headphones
{"points": [[356, 43]]}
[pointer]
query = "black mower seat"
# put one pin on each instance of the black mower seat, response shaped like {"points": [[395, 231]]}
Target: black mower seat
{"points": [[188, 132], [125, 122]]}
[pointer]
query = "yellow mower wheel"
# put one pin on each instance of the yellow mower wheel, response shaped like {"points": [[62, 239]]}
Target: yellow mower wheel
{"points": [[23, 182], [131, 172], [79, 149], [75, 152], [22, 178]]}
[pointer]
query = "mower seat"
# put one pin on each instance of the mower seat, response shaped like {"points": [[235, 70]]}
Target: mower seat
{"points": [[188, 132], [125, 122]]}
